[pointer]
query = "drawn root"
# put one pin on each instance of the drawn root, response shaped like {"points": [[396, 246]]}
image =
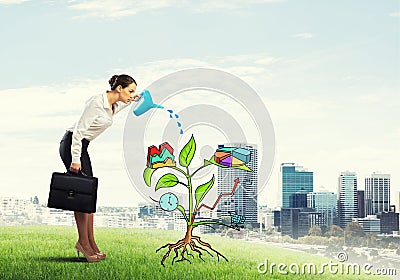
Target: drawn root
{"points": [[194, 243]]}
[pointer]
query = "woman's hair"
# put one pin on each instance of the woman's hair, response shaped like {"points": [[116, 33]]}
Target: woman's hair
{"points": [[122, 80]]}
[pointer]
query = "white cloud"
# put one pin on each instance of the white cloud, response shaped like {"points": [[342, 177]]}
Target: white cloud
{"points": [[267, 60], [114, 9], [298, 109], [12, 1], [218, 5], [118, 8], [370, 99], [394, 14], [245, 70], [305, 35], [258, 58]]}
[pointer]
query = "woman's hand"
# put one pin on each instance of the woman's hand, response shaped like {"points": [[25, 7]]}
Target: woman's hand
{"points": [[75, 167], [135, 97]]}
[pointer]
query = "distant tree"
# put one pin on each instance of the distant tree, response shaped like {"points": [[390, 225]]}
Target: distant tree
{"points": [[226, 220], [392, 245], [315, 231], [334, 230], [334, 244], [333, 241], [286, 239], [315, 240], [354, 230], [324, 229], [371, 239], [269, 231], [35, 200]]}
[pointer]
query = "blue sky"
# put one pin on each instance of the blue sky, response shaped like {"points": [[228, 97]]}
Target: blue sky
{"points": [[328, 72]]}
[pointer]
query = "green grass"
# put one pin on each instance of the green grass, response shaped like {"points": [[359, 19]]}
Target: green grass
{"points": [[47, 252]]}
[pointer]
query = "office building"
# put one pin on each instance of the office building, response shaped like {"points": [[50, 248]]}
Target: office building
{"points": [[370, 224], [296, 222], [10, 206], [361, 204], [244, 201], [325, 203], [389, 222], [277, 218], [347, 198], [294, 179], [377, 193], [298, 200]]}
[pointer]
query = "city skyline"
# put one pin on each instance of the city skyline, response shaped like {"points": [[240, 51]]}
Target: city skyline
{"points": [[395, 200], [331, 88], [302, 208], [395, 195]]}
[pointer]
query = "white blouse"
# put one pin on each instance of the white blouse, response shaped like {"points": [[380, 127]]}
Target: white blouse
{"points": [[95, 118]]}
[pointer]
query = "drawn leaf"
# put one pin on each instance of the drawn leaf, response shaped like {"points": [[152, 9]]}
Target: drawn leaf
{"points": [[167, 181], [187, 153], [202, 190], [180, 208], [147, 173]]}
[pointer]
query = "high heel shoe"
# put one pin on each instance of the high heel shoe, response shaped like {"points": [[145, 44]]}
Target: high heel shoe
{"points": [[101, 255], [89, 258]]}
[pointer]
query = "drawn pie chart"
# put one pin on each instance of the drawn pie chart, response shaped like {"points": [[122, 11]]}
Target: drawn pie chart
{"points": [[231, 156]]}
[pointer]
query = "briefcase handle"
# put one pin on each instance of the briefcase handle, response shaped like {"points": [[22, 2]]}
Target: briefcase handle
{"points": [[80, 173]]}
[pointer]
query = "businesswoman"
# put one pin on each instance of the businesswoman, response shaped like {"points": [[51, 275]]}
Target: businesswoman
{"points": [[96, 117]]}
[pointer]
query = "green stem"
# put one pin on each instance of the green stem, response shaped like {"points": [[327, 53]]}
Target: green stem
{"points": [[180, 170], [182, 184], [208, 223], [198, 169], [190, 197]]}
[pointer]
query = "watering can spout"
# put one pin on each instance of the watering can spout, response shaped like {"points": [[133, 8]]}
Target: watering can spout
{"points": [[145, 103], [158, 106]]}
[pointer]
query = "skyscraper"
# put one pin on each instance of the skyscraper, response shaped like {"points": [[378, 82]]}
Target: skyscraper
{"points": [[323, 202], [347, 193], [296, 222], [244, 201], [298, 200], [361, 203], [377, 193], [389, 222], [294, 179]]}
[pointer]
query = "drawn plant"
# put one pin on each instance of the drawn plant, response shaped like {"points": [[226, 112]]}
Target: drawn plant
{"points": [[169, 180]]}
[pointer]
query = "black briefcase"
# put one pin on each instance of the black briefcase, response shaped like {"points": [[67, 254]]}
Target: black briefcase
{"points": [[72, 191]]}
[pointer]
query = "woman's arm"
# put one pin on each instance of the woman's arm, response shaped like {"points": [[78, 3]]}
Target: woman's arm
{"points": [[89, 114], [121, 105]]}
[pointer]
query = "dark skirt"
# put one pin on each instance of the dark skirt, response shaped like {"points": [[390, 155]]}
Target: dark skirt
{"points": [[65, 153]]}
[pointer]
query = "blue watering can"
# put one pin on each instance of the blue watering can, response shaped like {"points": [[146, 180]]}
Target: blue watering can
{"points": [[145, 103]]}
